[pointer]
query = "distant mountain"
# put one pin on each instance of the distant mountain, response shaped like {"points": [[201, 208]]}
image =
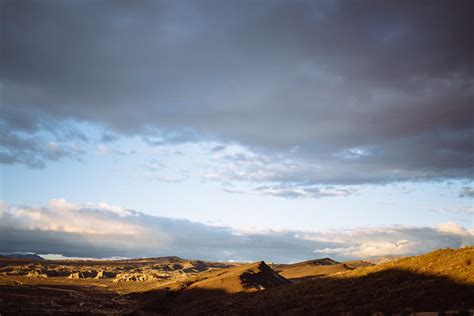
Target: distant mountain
{"points": [[316, 268], [313, 262], [32, 256]]}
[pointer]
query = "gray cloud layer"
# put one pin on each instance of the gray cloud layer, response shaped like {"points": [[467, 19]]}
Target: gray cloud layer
{"points": [[369, 92], [87, 230], [467, 192]]}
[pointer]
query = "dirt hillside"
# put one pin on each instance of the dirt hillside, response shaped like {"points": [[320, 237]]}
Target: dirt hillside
{"points": [[250, 277], [440, 281]]}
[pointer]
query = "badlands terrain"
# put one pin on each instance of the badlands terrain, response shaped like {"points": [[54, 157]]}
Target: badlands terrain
{"points": [[440, 282]]}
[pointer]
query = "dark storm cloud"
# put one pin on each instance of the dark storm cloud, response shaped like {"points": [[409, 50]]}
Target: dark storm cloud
{"points": [[33, 151], [108, 138], [368, 92], [102, 230]]}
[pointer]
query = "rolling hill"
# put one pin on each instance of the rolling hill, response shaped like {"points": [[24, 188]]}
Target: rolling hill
{"points": [[315, 268], [440, 281], [248, 277]]}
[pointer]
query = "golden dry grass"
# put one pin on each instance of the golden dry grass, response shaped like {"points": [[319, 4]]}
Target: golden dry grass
{"points": [[456, 264]]}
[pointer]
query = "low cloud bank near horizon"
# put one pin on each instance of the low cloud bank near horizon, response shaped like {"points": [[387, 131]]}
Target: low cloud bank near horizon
{"points": [[105, 231]]}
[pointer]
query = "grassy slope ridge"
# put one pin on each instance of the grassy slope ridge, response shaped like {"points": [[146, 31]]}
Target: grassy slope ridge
{"points": [[457, 264], [442, 280]]}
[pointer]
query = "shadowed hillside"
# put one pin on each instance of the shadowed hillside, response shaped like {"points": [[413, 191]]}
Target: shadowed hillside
{"points": [[438, 281], [389, 291]]}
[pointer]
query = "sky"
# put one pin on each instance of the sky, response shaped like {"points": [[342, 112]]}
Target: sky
{"points": [[236, 130]]}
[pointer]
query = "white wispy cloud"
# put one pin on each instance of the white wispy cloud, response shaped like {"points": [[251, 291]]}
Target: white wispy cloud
{"points": [[156, 170], [465, 210], [241, 170]]}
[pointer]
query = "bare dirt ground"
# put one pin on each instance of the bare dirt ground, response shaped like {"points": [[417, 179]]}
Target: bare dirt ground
{"points": [[97, 287], [441, 281]]}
